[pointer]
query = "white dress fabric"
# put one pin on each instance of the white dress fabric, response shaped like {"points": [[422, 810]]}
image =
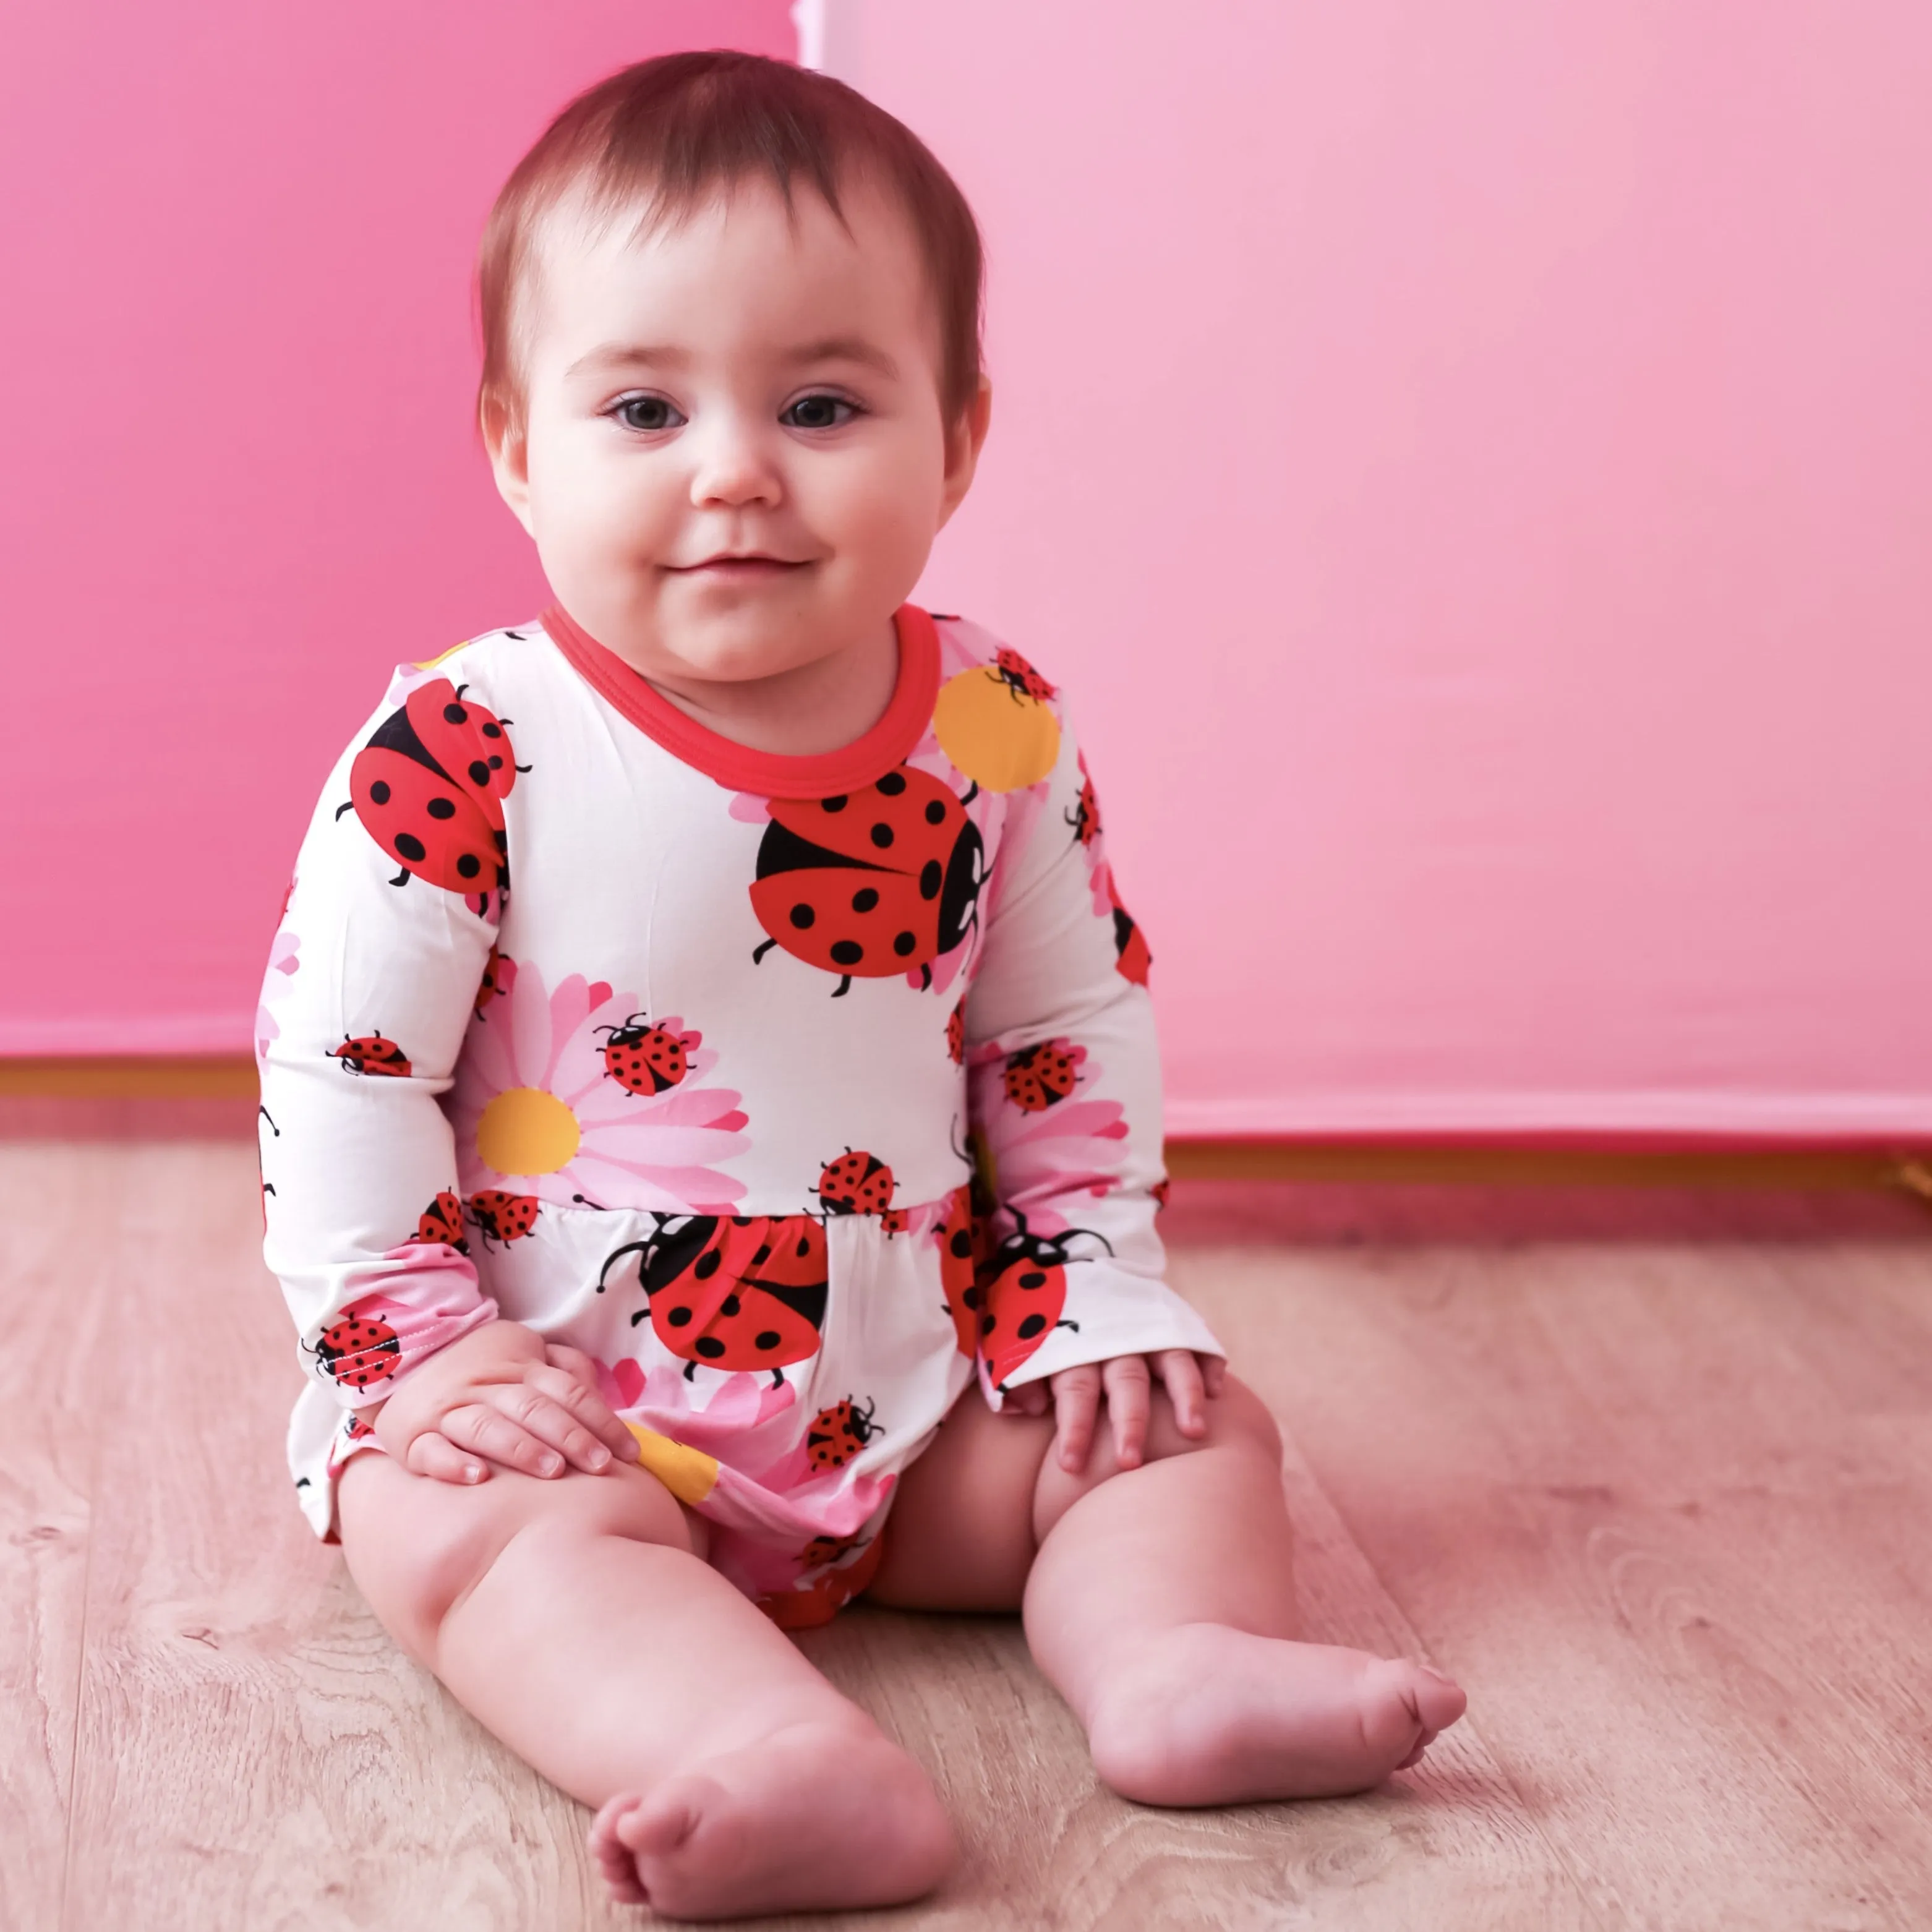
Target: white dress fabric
{"points": [[794, 1091]]}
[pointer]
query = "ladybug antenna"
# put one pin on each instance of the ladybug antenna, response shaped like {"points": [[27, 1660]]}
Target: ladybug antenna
{"points": [[271, 1119], [629, 1248], [341, 809], [460, 689], [402, 878], [759, 952], [844, 979], [972, 792], [521, 768]]}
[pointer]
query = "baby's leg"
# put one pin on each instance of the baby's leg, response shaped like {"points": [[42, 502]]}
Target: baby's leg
{"points": [[575, 1618], [1159, 1603]]}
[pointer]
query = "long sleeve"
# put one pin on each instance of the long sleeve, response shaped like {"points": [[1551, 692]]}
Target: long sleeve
{"points": [[386, 938], [1064, 1083]]}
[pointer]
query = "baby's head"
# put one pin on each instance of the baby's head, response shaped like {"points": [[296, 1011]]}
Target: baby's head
{"points": [[730, 309]]}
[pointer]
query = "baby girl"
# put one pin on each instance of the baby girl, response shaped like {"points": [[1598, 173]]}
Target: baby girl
{"points": [[706, 1036]]}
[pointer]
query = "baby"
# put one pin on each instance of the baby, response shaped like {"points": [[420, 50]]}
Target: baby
{"points": [[706, 1035]]}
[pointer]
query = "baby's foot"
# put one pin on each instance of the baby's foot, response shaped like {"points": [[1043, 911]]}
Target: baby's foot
{"points": [[1205, 1714], [818, 1816]]}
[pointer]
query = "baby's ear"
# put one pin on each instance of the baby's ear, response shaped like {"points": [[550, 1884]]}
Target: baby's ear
{"points": [[508, 447], [964, 442]]}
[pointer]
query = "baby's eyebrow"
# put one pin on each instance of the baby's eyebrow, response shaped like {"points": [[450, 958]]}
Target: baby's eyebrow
{"points": [[611, 356], [847, 348]]}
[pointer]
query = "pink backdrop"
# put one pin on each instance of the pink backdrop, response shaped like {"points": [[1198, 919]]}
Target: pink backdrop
{"points": [[1472, 465]]}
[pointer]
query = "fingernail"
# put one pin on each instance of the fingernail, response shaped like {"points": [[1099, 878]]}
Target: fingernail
{"points": [[599, 1456], [550, 1465], [472, 1472]]}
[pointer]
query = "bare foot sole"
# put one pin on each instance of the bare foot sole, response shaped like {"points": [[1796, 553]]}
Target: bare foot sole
{"points": [[1205, 1714], [816, 1817]]}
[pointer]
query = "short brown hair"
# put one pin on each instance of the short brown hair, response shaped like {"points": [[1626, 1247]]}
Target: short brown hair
{"points": [[667, 134]]}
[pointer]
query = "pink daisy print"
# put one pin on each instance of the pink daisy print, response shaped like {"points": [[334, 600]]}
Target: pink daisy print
{"points": [[283, 961], [537, 1110], [1046, 1143]]}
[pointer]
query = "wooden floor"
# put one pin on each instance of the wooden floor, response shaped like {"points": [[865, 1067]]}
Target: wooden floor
{"points": [[1663, 1504]]}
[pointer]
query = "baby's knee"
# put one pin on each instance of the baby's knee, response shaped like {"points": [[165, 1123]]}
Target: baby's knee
{"points": [[418, 1547]]}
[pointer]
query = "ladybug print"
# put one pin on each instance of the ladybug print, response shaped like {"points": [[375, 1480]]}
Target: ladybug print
{"points": [[957, 1275], [1020, 678], [356, 1429], [645, 1058], [441, 1221], [1040, 1077], [358, 1352], [955, 1034], [823, 1549], [498, 1217], [429, 788], [747, 1293], [491, 983], [1160, 1190], [895, 1221], [1131, 956], [838, 1434], [1085, 817], [870, 884], [370, 1053], [857, 1183], [1025, 1295]]}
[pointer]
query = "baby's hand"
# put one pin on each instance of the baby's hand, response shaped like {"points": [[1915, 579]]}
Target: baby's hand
{"points": [[1191, 1382], [501, 1393]]}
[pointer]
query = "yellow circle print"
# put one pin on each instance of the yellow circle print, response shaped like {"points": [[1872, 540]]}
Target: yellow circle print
{"points": [[525, 1130], [998, 736]]}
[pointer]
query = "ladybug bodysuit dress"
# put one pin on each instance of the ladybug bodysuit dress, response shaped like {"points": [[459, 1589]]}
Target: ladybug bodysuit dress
{"points": [[794, 1091]]}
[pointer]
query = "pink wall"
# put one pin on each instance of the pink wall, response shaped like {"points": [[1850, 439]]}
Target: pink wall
{"points": [[240, 481], [1471, 463]]}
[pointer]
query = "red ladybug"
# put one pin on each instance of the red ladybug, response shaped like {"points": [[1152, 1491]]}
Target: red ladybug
{"points": [[1024, 1299], [956, 1273], [1160, 1190], [1019, 677], [838, 1434], [498, 1217], [429, 788], [359, 1350], [1131, 956], [1040, 1077], [869, 884], [955, 1034], [370, 1053], [441, 1221], [1085, 817], [747, 1293], [823, 1549], [645, 1058], [856, 1183], [357, 1428], [489, 986]]}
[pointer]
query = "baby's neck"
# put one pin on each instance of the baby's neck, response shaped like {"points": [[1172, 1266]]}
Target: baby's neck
{"points": [[814, 708]]}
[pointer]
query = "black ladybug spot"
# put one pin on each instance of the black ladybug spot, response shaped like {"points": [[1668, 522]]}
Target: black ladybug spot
{"points": [[804, 1246], [971, 1298], [1033, 1278], [678, 1317], [864, 899], [730, 1305], [455, 714], [838, 804], [467, 867], [931, 878], [801, 916], [441, 807], [709, 1346], [479, 772], [962, 1244], [935, 812], [763, 1254], [496, 761], [847, 952], [707, 1264], [1031, 1327], [409, 845], [906, 943], [882, 835], [892, 784], [493, 731], [766, 1338], [741, 1220], [986, 1324], [380, 791]]}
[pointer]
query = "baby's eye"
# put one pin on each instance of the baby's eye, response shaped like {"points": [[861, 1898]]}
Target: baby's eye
{"points": [[647, 412], [819, 411]]}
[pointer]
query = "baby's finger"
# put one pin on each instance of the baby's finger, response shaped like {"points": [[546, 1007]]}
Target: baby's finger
{"points": [[1076, 1401], [1214, 1372], [1181, 1375], [431, 1454], [485, 1427], [551, 1421], [1034, 1399], [1128, 1398], [591, 1410]]}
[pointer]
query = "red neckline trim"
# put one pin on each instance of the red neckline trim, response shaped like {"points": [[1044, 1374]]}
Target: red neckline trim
{"points": [[768, 774]]}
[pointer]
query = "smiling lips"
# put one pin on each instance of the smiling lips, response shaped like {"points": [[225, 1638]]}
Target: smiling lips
{"points": [[754, 565]]}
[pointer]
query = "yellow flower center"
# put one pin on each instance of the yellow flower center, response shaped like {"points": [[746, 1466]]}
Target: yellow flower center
{"points": [[525, 1130], [994, 734]]}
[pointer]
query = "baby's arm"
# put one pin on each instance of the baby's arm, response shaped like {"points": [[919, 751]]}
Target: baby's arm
{"points": [[375, 976], [1064, 1079]]}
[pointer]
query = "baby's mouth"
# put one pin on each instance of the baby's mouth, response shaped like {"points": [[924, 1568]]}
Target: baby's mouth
{"points": [[747, 568]]}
